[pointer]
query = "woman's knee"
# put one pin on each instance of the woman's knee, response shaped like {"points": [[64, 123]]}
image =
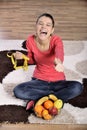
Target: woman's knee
{"points": [[15, 91], [78, 87]]}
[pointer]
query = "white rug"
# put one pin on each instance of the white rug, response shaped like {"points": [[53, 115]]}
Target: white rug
{"points": [[75, 53]]}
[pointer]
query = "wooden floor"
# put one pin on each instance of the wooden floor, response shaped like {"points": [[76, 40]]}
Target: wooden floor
{"points": [[43, 127], [18, 17]]}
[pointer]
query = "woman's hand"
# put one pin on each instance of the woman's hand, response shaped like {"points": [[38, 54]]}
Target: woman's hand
{"points": [[58, 65], [18, 55]]}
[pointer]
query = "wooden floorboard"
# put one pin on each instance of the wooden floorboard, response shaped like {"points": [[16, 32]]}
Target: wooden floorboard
{"points": [[42, 127], [18, 17]]}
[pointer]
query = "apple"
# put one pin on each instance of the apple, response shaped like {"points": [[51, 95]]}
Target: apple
{"points": [[53, 111], [58, 104]]}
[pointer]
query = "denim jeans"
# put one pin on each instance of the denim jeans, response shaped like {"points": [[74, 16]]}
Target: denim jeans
{"points": [[35, 89]]}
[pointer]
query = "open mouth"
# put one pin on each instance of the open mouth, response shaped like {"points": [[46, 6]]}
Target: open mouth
{"points": [[45, 33]]}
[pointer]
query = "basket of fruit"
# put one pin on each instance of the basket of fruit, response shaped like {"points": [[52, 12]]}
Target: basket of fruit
{"points": [[48, 107]]}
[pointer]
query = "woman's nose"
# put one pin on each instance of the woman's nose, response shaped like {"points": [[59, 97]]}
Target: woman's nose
{"points": [[43, 26]]}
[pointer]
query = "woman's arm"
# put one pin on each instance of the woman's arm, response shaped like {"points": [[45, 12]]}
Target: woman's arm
{"points": [[58, 65], [59, 56]]}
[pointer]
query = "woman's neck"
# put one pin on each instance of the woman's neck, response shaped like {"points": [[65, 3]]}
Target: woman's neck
{"points": [[43, 45]]}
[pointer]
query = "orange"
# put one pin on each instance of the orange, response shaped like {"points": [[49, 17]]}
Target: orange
{"points": [[48, 104], [45, 112], [47, 117], [38, 110]]}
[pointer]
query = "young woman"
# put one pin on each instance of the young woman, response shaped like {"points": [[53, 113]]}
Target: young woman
{"points": [[46, 51]]}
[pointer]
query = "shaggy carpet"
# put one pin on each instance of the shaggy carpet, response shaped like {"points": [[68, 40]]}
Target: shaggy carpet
{"points": [[12, 110]]}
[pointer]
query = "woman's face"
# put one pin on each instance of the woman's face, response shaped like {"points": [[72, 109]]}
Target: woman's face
{"points": [[44, 28]]}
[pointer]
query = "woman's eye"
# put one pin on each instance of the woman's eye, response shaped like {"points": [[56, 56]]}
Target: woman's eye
{"points": [[49, 25], [40, 23]]}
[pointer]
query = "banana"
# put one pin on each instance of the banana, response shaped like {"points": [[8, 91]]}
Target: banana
{"points": [[52, 97], [42, 100]]}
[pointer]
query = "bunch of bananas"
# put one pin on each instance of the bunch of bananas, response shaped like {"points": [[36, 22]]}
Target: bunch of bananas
{"points": [[48, 106]]}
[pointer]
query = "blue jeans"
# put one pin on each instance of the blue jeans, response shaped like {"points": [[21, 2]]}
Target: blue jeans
{"points": [[35, 89]]}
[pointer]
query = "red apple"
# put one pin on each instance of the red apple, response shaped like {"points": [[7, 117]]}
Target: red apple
{"points": [[53, 111]]}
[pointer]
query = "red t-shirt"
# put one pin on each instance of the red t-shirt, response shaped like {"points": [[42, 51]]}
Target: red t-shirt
{"points": [[44, 60]]}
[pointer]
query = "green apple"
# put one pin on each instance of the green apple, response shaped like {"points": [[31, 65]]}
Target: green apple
{"points": [[58, 104]]}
